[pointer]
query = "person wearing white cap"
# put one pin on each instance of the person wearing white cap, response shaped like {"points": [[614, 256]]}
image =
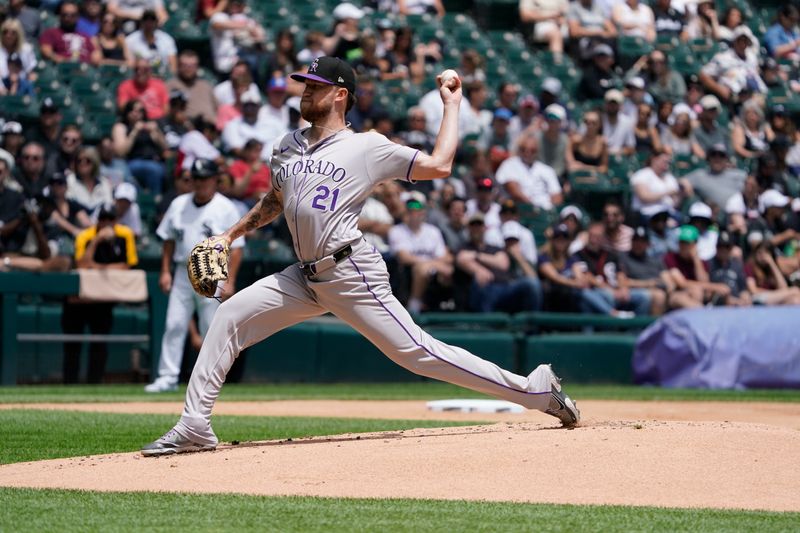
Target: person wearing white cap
{"points": [[599, 77], [735, 71], [701, 217], [779, 229], [549, 21], [553, 139], [127, 209], [678, 139], [617, 128], [420, 7], [345, 35], [708, 131], [253, 124]]}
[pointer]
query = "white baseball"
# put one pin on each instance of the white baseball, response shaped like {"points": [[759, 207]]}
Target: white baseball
{"points": [[448, 75]]}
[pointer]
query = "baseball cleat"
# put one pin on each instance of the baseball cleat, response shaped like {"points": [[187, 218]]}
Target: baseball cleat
{"points": [[561, 406], [171, 443]]}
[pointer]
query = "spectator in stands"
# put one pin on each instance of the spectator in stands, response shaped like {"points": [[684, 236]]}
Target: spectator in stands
{"points": [[27, 16], [641, 270], [313, 49], [13, 229], [561, 287], [701, 216], [235, 37], [526, 179], [276, 106], [104, 246], [29, 177], [520, 245], [111, 41], [207, 8], [13, 45], [778, 229], [141, 143], [344, 36], [376, 220], [496, 141], [404, 56], [111, 166], [550, 92], [549, 21], [64, 43], [150, 91], [709, 132], [128, 213], [199, 143], [663, 83], [783, 175], [507, 95], [485, 203], [476, 120], [491, 285], [718, 182], [731, 19], [734, 74], [728, 269], [66, 220], [617, 128], [782, 39], [669, 21], [689, 273], [176, 123], [648, 141], [705, 24], [86, 185], [616, 235], [657, 217], [420, 7], [252, 125], [751, 134], [91, 18], [420, 247], [48, 131], [15, 83], [240, 84], [199, 93], [65, 160], [553, 141], [598, 267], [588, 150], [780, 123], [634, 19], [635, 94], [251, 175], [454, 227], [283, 61], [655, 184], [588, 25], [370, 65], [571, 216], [363, 113], [742, 208], [678, 139], [765, 280], [527, 117], [134, 10], [416, 134], [12, 138], [148, 42]]}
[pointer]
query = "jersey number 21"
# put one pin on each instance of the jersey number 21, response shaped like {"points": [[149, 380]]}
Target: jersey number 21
{"points": [[320, 200]]}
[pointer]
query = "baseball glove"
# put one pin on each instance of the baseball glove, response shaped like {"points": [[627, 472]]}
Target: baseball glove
{"points": [[208, 264]]}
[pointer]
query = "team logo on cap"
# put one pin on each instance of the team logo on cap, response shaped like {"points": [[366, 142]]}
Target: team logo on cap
{"points": [[314, 65], [341, 80]]}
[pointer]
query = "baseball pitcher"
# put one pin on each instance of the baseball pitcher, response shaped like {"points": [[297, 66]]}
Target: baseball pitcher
{"points": [[321, 177]]}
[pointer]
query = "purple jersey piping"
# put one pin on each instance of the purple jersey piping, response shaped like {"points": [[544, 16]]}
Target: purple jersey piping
{"points": [[410, 166], [297, 195], [442, 359]]}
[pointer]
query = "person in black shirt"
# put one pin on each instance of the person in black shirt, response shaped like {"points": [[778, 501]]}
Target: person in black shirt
{"points": [[600, 76], [669, 21], [12, 221], [176, 123], [640, 270], [28, 176], [491, 287], [48, 132], [729, 270]]}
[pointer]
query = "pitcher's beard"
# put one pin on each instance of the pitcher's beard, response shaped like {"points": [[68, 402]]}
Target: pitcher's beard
{"points": [[313, 112]]}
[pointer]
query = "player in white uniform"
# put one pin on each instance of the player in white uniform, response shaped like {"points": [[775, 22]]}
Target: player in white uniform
{"points": [[189, 219], [321, 177]]}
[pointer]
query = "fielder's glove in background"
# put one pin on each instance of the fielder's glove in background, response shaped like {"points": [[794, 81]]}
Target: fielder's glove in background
{"points": [[207, 265]]}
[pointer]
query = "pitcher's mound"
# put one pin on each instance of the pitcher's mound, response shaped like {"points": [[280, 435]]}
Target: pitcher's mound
{"points": [[672, 464]]}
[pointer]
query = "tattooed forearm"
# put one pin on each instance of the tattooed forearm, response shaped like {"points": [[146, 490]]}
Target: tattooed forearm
{"points": [[265, 211]]}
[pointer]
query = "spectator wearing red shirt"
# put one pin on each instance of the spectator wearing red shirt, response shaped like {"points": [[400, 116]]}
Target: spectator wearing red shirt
{"points": [[251, 176], [65, 43], [689, 274], [151, 92]]}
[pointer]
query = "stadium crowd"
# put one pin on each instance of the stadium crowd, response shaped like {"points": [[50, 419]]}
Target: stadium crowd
{"points": [[706, 209]]}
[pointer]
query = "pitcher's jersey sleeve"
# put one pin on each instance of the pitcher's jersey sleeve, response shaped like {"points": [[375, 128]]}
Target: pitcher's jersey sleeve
{"points": [[385, 160]]}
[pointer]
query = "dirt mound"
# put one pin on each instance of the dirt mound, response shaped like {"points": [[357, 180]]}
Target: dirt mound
{"points": [[674, 464]]}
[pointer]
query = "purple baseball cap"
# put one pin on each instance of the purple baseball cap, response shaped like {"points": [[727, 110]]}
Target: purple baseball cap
{"points": [[329, 70]]}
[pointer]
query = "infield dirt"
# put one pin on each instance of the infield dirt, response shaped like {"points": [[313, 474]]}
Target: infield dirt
{"points": [[673, 454]]}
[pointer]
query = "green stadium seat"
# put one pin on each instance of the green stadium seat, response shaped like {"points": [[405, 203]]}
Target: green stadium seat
{"points": [[583, 358]]}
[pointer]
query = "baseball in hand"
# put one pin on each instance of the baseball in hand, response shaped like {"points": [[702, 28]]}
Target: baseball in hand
{"points": [[448, 75]]}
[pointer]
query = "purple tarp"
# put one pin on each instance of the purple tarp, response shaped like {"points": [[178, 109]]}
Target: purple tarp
{"points": [[721, 348]]}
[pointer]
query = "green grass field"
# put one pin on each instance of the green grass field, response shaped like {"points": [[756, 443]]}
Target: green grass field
{"points": [[33, 435], [66, 511], [372, 391]]}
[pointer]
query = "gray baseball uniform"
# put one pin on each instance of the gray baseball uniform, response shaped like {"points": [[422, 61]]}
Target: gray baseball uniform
{"points": [[324, 187]]}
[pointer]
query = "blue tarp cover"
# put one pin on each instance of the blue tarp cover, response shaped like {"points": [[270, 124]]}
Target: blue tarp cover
{"points": [[721, 348]]}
